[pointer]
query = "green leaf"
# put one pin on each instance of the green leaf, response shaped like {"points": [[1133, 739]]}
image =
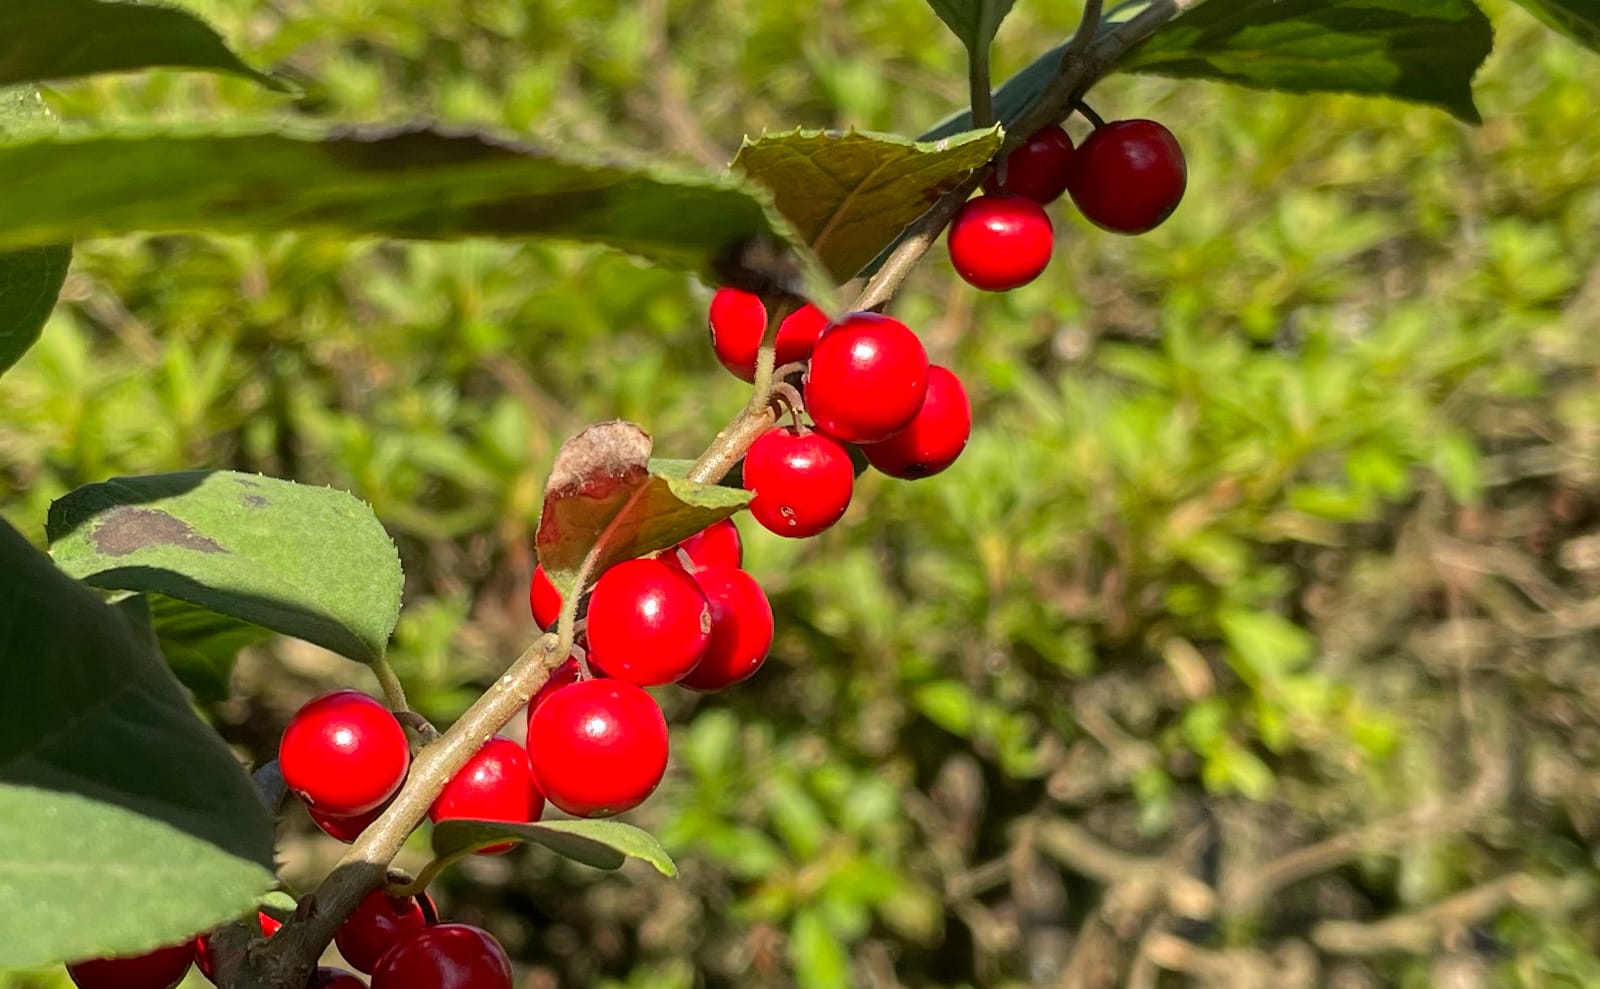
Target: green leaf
{"points": [[125, 822], [30, 279], [1425, 51], [417, 183], [973, 21], [309, 562], [65, 39], [602, 844], [604, 497], [201, 645], [850, 194], [1265, 645], [819, 960], [1577, 19]]}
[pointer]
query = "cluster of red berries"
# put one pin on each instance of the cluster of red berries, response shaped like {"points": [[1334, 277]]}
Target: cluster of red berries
{"points": [[1127, 177], [397, 940]]}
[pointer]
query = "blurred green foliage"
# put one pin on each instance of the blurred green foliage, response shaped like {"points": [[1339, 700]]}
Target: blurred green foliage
{"points": [[1272, 532]]}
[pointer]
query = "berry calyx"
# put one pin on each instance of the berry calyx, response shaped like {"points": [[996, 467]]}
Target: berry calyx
{"points": [[496, 784], [935, 437], [1038, 168], [866, 380], [717, 545], [1129, 176], [345, 829], [802, 481], [162, 968], [344, 754], [334, 978], [543, 600], [998, 243], [739, 321], [599, 747], [648, 622], [202, 944], [377, 923], [741, 629], [444, 956]]}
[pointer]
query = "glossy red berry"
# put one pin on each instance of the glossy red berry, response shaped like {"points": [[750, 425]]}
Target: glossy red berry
{"points": [[867, 377], [802, 481], [741, 629], [543, 600], [739, 321], [1129, 176], [346, 829], [333, 978], [379, 921], [717, 545], [495, 785], [1038, 168], [344, 754], [444, 956], [599, 747], [202, 944], [935, 437], [998, 243], [648, 622], [564, 675], [162, 968]]}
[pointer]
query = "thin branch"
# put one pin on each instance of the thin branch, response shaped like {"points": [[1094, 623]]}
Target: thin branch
{"points": [[1088, 24], [1420, 931]]}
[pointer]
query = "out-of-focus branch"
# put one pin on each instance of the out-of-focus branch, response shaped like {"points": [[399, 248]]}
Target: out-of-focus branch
{"points": [[1420, 931]]}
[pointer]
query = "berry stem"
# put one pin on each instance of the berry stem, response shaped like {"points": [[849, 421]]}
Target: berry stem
{"points": [[1088, 114]]}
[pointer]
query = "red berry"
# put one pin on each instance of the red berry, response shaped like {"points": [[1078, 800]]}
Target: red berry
{"points": [[1129, 176], [346, 829], [998, 243], [599, 747], [935, 437], [333, 978], [543, 600], [648, 622], [802, 481], [564, 675], [162, 968], [741, 629], [496, 784], [1038, 168], [202, 944], [717, 545], [377, 923], [344, 754], [739, 321], [444, 956], [867, 377]]}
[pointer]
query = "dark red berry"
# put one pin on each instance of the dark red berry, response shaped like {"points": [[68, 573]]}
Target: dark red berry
{"points": [[162, 968], [495, 785], [867, 377], [599, 747], [377, 923], [202, 944], [741, 629], [717, 545], [802, 481], [543, 600], [1038, 168], [648, 622], [333, 978], [344, 754], [346, 829], [739, 321], [998, 243], [1129, 176], [444, 956], [935, 437]]}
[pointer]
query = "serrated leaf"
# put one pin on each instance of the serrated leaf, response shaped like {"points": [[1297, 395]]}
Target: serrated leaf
{"points": [[606, 496], [1424, 51], [309, 562], [973, 21], [30, 280], [125, 823], [1577, 19], [851, 194], [417, 183], [602, 844], [66, 39]]}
